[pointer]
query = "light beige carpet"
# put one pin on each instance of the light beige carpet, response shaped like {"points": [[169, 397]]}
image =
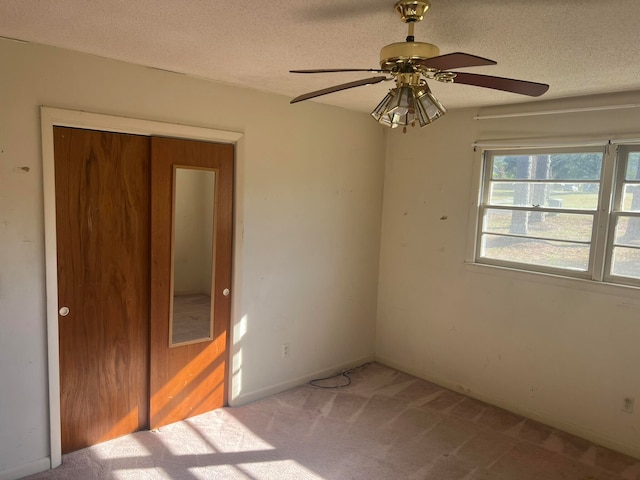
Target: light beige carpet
{"points": [[387, 425]]}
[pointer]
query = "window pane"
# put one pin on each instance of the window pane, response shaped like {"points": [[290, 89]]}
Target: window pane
{"points": [[631, 198], [549, 195], [627, 231], [576, 166], [553, 226], [555, 166], [540, 207], [535, 252], [633, 166], [626, 262]]}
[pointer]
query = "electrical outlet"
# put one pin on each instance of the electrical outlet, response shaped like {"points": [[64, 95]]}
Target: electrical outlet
{"points": [[285, 350], [627, 404]]}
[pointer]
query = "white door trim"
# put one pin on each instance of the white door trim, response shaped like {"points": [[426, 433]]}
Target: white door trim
{"points": [[50, 117]]}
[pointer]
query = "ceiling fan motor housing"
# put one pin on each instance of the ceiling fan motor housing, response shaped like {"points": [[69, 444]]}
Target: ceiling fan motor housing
{"points": [[404, 52]]}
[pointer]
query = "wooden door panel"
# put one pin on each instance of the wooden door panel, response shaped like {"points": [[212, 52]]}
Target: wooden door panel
{"points": [[103, 226], [191, 379]]}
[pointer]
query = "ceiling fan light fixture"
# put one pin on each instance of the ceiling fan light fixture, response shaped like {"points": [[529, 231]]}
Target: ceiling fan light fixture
{"points": [[429, 108], [403, 104], [408, 105], [397, 108], [380, 113]]}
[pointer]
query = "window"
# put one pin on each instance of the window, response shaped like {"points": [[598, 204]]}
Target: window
{"points": [[623, 250], [570, 211]]}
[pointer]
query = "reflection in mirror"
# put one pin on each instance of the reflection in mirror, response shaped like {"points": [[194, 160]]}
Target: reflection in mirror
{"points": [[193, 253]]}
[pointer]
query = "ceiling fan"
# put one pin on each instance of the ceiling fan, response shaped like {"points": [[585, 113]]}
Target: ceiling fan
{"points": [[411, 64]]}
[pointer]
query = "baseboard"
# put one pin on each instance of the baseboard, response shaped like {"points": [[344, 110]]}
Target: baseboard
{"points": [[26, 469], [577, 430], [249, 397]]}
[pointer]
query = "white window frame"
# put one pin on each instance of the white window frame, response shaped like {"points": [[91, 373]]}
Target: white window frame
{"points": [[616, 211], [605, 215]]}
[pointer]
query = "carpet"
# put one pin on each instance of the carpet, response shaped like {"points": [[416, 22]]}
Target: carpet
{"points": [[386, 425]]}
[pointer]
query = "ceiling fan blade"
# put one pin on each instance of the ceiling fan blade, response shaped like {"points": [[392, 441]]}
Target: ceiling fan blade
{"points": [[337, 88], [332, 70], [454, 60], [522, 87]]}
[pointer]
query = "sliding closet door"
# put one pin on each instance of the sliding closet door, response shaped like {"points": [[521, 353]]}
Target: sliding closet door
{"points": [[103, 224], [191, 252], [136, 353]]}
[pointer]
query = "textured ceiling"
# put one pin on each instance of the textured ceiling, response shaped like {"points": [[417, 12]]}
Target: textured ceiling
{"points": [[577, 46]]}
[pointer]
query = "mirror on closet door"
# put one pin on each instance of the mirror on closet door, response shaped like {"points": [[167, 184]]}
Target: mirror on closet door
{"points": [[193, 253]]}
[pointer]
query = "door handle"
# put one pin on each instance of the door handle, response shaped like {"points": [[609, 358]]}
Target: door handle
{"points": [[226, 292], [64, 311]]}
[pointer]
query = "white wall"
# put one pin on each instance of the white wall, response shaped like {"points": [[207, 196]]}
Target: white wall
{"points": [[562, 351], [309, 182]]}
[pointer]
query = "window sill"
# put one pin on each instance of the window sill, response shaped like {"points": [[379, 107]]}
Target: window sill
{"points": [[602, 288]]}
